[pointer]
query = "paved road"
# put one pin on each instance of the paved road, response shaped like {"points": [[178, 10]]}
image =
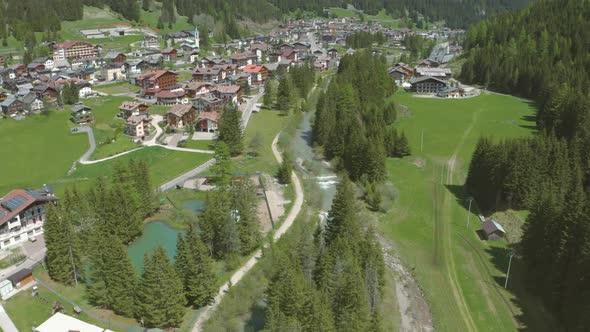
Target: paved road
{"points": [[182, 178], [5, 322], [87, 154], [239, 274], [247, 108]]}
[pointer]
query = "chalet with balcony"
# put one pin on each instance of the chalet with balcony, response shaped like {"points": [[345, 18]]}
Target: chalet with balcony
{"points": [[181, 115], [157, 79], [259, 73], [22, 213], [12, 106], [170, 54], [129, 108], [211, 75], [207, 122], [81, 114], [138, 125]]}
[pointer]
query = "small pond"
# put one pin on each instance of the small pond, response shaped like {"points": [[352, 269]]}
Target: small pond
{"points": [[194, 205], [154, 234]]}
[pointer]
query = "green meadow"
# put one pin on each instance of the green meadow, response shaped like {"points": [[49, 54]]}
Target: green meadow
{"points": [[461, 275], [41, 149]]}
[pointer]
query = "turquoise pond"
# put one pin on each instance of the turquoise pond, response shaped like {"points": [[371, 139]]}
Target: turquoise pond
{"points": [[194, 205], [154, 234], [159, 233]]}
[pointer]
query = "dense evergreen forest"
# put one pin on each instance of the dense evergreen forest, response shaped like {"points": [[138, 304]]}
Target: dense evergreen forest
{"points": [[334, 280], [352, 117], [541, 53]]}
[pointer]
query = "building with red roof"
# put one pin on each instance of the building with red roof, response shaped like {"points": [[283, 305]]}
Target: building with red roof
{"points": [[157, 79], [258, 73], [22, 213]]}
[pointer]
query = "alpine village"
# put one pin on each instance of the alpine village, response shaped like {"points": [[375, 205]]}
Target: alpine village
{"points": [[294, 165]]}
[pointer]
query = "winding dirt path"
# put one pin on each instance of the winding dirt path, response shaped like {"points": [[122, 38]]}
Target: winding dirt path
{"points": [[239, 274]]}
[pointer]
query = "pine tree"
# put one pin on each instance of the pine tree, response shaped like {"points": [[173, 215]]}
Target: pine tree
{"points": [[195, 267], [230, 129], [342, 216], [246, 204], [160, 297], [267, 99], [222, 167], [402, 147], [284, 99], [63, 251], [146, 4], [143, 185], [285, 170]]}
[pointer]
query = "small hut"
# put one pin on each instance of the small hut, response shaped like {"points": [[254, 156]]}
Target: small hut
{"points": [[492, 230]]}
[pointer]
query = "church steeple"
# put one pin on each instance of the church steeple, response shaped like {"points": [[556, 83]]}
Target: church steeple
{"points": [[197, 39]]}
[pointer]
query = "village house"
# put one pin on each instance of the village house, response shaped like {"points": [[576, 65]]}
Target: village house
{"points": [[129, 108], [31, 103], [134, 67], [427, 85], [207, 103], [440, 73], [452, 92], [171, 97], [22, 213], [212, 75], [113, 72], [138, 125], [242, 59], [15, 281], [157, 79], [400, 73], [12, 106], [81, 114], [257, 72], [150, 41], [181, 115], [115, 57], [195, 89], [170, 54], [74, 49], [261, 50], [228, 93], [288, 54], [207, 122]]}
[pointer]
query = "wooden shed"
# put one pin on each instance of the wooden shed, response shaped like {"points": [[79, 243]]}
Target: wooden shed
{"points": [[492, 230], [21, 278]]}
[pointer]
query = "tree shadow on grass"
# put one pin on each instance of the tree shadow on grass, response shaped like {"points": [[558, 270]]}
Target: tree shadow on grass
{"points": [[533, 316], [256, 321]]}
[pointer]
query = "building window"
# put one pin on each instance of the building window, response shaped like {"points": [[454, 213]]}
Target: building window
{"points": [[7, 242], [17, 238]]}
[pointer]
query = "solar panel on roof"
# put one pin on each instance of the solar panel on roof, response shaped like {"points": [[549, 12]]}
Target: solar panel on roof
{"points": [[15, 202]]}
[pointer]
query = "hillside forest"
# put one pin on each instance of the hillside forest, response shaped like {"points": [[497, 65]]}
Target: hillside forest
{"points": [[541, 53]]}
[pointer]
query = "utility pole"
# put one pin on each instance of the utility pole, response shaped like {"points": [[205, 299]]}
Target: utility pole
{"points": [[511, 254], [422, 141], [469, 213]]}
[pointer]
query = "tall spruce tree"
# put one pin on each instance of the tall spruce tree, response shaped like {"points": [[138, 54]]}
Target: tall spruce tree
{"points": [[160, 296], [63, 248], [230, 129], [195, 267]]}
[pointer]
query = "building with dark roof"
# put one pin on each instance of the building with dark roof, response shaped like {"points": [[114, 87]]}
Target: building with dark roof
{"points": [[22, 213]]}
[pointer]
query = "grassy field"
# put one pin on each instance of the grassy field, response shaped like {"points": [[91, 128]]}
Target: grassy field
{"points": [[461, 275], [200, 144], [164, 164], [108, 129], [116, 88], [268, 123], [41, 150], [37, 150]]}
